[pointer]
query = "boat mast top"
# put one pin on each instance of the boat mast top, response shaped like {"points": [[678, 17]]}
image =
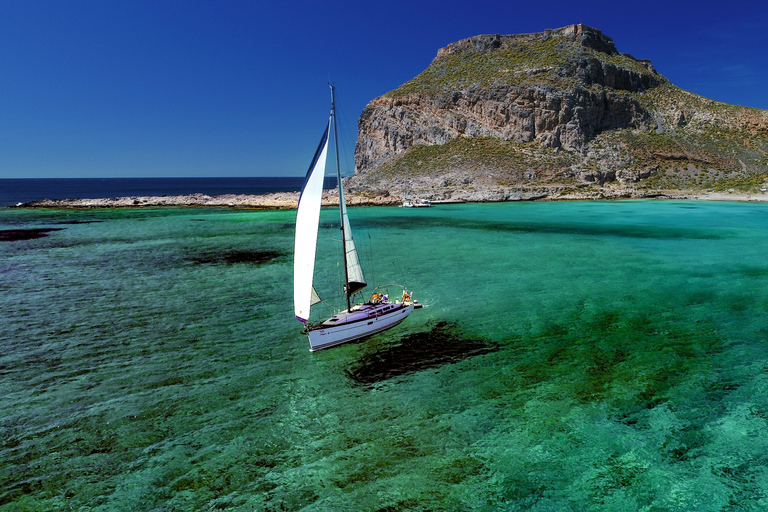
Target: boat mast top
{"points": [[341, 197]]}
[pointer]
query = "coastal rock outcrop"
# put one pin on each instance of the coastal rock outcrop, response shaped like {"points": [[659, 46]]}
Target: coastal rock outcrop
{"points": [[539, 111], [557, 109], [277, 200]]}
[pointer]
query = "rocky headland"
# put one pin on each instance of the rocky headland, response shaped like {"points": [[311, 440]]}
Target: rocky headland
{"points": [[560, 114]]}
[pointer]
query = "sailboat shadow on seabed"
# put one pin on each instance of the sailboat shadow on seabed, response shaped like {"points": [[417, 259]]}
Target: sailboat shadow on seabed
{"points": [[442, 344], [361, 319]]}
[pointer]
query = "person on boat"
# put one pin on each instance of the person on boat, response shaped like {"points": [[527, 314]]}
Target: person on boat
{"points": [[376, 298], [406, 296]]}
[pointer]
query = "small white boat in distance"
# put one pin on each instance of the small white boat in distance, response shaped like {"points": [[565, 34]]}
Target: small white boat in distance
{"points": [[358, 320], [419, 203]]}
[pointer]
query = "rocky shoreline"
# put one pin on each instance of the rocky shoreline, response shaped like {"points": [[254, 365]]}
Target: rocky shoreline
{"points": [[289, 200], [273, 201]]}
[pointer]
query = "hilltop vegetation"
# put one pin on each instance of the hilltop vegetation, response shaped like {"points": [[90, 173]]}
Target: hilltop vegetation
{"points": [[525, 62]]}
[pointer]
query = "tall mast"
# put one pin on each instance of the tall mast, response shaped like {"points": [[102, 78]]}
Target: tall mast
{"points": [[341, 197]]}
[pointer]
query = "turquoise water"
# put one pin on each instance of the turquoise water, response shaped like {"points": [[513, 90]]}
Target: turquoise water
{"points": [[570, 356]]}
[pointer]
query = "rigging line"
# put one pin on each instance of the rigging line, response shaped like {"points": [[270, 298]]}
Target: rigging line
{"points": [[344, 138], [398, 267], [334, 285], [371, 266], [342, 207]]}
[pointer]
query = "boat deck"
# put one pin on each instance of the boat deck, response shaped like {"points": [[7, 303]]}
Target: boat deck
{"points": [[362, 312]]}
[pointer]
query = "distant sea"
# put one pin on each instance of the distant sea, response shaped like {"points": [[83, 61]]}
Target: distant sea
{"points": [[14, 191]]}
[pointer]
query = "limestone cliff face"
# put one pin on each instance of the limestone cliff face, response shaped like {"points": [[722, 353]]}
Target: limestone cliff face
{"points": [[553, 118], [544, 112], [559, 90]]}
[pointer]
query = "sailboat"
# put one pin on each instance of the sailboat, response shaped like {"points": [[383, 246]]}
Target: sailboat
{"points": [[358, 320]]}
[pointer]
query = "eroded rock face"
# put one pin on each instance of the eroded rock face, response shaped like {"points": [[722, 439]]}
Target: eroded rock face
{"points": [[555, 119], [545, 113]]}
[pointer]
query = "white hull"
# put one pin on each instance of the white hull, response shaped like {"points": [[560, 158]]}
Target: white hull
{"points": [[331, 336]]}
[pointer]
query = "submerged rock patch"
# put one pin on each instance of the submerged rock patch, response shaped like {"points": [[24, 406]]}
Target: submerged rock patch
{"points": [[13, 235], [442, 344], [80, 221], [234, 257]]}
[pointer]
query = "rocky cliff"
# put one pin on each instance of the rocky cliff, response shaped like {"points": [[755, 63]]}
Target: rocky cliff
{"points": [[560, 113]]}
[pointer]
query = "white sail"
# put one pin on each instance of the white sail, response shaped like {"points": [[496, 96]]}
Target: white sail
{"points": [[305, 243], [315, 297], [354, 270]]}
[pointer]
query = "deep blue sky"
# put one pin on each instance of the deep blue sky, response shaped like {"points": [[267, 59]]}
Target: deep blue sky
{"points": [[115, 88]]}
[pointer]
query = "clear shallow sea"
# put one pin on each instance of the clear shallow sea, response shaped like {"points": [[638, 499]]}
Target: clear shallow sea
{"points": [[571, 356]]}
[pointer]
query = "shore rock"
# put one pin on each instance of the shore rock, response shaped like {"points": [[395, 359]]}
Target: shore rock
{"points": [[279, 200], [287, 200]]}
